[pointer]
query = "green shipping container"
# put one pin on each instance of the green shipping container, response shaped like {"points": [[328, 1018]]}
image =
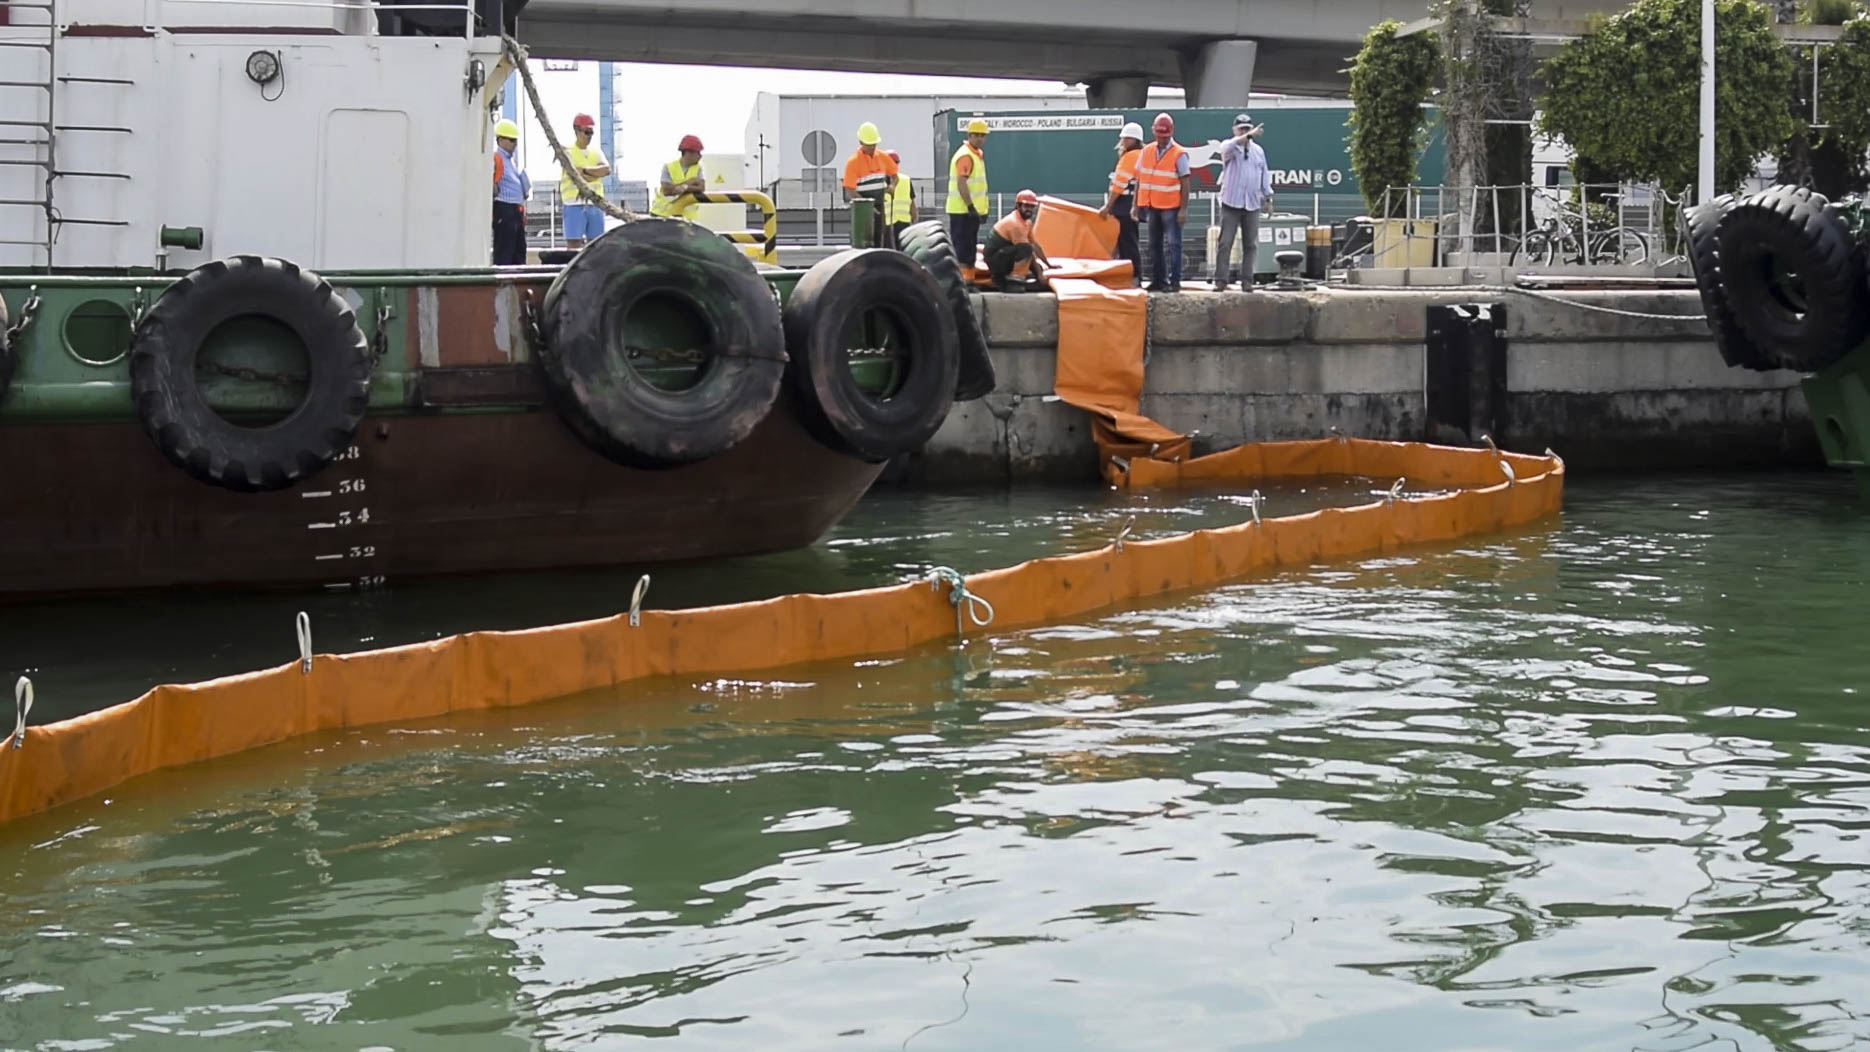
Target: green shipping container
{"points": [[1069, 153]]}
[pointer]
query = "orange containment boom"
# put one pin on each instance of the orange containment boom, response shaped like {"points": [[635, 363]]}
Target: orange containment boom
{"points": [[42, 767]]}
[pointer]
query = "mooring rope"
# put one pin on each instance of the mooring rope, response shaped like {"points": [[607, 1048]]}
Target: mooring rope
{"points": [[961, 598], [22, 704], [517, 56]]}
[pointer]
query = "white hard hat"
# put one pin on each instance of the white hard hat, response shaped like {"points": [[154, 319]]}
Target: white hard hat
{"points": [[1131, 130]]}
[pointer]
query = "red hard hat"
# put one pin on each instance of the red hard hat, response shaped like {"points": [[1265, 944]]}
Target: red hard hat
{"points": [[1026, 197], [894, 156], [583, 120], [1165, 123], [689, 142]]}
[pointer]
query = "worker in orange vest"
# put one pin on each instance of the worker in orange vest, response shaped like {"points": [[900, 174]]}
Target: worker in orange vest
{"points": [[1162, 187], [1121, 200]]}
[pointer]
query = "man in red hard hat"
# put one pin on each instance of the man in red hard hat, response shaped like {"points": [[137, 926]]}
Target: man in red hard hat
{"points": [[584, 220], [1162, 185], [680, 177], [1012, 255]]}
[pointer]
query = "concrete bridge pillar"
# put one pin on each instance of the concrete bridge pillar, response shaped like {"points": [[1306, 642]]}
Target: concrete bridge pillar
{"points": [[1220, 73], [1117, 93]]}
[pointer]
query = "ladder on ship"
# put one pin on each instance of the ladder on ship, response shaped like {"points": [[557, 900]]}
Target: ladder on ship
{"points": [[33, 142]]}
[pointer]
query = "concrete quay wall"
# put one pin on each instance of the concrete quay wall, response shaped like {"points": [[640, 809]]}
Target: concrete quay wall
{"points": [[1606, 391]]}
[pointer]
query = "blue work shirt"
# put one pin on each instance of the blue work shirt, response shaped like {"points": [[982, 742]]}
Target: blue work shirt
{"points": [[1246, 181], [515, 185]]}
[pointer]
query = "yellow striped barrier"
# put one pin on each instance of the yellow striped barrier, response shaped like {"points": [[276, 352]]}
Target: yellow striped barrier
{"points": [[767, 237]]}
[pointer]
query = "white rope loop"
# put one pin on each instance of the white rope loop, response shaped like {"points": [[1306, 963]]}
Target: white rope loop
{"points": [[1396, 489], [961, 599], [304, 627], [1253, 503], [1124, 533], [22, 704], [636, 600], [1500, 458]]}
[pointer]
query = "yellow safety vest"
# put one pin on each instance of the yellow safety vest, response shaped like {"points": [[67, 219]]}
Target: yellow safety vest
{"points": [[976, 182], [676, 175], [901, 200]]}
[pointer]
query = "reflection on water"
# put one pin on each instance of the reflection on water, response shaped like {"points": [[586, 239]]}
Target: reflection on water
{"points": [[1599, 785]]}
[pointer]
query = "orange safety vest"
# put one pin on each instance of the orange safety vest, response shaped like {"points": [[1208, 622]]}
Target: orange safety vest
{"points": [[499, 167], [1157, 184], [1124, 177]]}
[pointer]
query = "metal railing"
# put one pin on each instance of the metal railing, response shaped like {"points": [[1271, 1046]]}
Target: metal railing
{"points": [[1630, 225]]}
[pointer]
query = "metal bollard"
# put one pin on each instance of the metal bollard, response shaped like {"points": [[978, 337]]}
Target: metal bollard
{"points": [[1289, 264]]}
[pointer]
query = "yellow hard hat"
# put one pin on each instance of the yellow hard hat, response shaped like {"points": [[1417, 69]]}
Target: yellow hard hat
{"points": [[867, 134], [977, 127], [506, 130]]}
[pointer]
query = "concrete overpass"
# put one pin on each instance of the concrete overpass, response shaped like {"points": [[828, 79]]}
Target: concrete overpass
{"points": [[1217, 49]]}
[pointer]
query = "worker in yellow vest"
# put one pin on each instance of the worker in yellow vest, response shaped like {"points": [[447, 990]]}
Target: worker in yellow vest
{"points": [[967, 191], [902, 201], [680, 176], [1162, 186]]}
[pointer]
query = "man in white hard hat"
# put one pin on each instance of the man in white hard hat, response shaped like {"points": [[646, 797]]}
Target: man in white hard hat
{"points": [[1246, 192], [511, 188], [1121, 200]]}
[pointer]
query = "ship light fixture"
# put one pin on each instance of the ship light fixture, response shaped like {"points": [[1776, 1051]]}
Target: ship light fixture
{"points": [[262, 67]]}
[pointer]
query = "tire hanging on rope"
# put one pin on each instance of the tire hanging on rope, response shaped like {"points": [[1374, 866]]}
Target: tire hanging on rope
{"points": [[928, 243], [864, 301], [1793, 278], [611, 325], [1703, 223], [306, 315]]}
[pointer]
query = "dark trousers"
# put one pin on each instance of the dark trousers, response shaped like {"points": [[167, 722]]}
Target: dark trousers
{"points": [[1002, 256], [509, 235], [1246, 223], [1165, 247], [896, 232], [1129, 246], [964, 231]]}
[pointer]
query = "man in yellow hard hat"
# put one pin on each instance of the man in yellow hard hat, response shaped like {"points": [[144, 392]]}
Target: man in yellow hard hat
{"points": [[967, 191], [511, 188], [871, 174]]}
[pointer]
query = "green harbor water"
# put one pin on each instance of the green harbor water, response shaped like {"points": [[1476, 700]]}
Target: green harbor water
{"points": [[1598, 784]]}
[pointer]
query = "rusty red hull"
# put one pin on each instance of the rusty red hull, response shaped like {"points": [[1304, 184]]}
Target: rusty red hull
{"points": [[94, 506]]}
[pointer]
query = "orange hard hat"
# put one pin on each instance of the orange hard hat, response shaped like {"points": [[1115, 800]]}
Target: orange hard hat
{"points": [[689, 142], [583, 120], [1026, 197], [1165, 123]]}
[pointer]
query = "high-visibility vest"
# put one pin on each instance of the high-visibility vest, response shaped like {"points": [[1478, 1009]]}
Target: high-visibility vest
{"points": [[1157, 184], [676, 175], [1123, 179], [902, 200], [976, 182]]}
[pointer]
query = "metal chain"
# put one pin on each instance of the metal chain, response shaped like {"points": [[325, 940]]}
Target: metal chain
{"points": [[27, 312]]}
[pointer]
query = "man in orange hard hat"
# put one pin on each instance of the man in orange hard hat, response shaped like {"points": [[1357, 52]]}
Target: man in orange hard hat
{"points": [[583, 218], [1014, 259], [679, 177], [1162, 186]]}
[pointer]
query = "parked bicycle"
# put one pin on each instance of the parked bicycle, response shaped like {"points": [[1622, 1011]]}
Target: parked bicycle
{"points": [[1562, 238]]}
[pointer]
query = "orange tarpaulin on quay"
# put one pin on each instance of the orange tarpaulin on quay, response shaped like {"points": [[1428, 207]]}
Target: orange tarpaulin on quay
{"points": [[174, 725]]}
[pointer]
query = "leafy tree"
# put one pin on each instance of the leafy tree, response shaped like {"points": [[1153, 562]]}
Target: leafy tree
{"points": [[1626, 96], [1390, 80]]}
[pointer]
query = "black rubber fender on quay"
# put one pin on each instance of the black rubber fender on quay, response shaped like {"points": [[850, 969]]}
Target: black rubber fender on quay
{"points": [[1793, 278], [164, 353], [587, 330], [928, 243], [859, 297]]}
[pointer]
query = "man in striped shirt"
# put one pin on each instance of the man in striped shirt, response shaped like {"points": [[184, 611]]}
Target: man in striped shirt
{"points": [[1246, 192]]}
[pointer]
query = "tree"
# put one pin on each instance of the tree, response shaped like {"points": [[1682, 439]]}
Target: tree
{"points": [[1626, 96], [1390, 80]]}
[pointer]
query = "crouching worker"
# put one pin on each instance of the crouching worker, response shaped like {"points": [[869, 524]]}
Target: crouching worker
{"points": [[1014, 259]]}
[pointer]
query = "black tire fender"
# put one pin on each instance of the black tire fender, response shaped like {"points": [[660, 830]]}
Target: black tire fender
{"points": [[168, 339], [1793, 278], [828, 309], [928, 243], [1703, 222], [585, 327], [6, 351]]}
